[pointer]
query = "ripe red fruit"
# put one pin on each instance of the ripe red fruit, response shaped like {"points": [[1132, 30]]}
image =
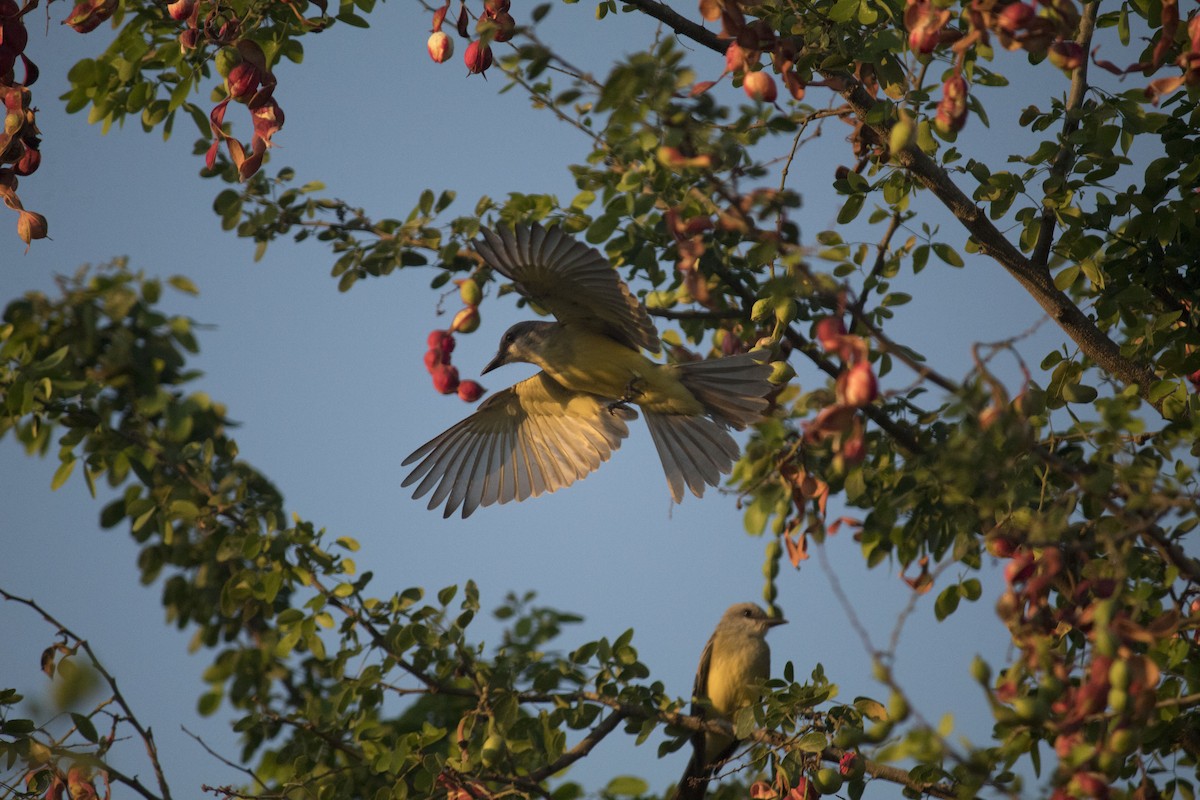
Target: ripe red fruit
{"points": [[854, 449], [829, 332], [434, 358], [244, 80], [181, 9], [445, 379], [1066, 55], [441, 47], [90, 14], [735, 58], [1015, 17], [952, 108], [852, 765], [505, 26], [470, 391], [29, 162], [759, 86], [859, 386], [803, 790], [441, 340], [477, 58], [1001, 547], [31, 225]]}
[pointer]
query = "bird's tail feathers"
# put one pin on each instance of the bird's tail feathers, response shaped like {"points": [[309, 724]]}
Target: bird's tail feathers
{"points": [[694, 783], [732, 389], [695, 451]]}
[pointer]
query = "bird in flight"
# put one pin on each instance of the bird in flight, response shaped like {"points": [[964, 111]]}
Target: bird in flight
{"points": [[552, 429]]}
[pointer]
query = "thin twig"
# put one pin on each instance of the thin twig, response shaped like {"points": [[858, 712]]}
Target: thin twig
{"points": [[146, 734]]}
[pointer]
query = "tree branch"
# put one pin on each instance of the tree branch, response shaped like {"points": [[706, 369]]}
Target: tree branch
{"points": [[146, 734], [1036, 281], [1066, 152]]}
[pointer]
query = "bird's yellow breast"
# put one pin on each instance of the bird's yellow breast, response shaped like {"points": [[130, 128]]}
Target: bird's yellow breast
{"points": [[585, 361], [736, 674]]}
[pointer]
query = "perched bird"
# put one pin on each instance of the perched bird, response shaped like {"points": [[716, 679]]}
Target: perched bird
{"points": [[550, 430], [733, 667]]}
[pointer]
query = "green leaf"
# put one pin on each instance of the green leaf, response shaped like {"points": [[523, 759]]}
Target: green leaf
{"points": [[843, 10], [85, 727], [946, 603], [183, 284], [627, 786], [871, 709], [1078, 393], [1066, 277], [813, 742], [854, 204], [948, 254], [62, 473], [209, 703]]}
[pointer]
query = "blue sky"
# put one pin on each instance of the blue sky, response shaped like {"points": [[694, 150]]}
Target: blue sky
{"points": [[331, 394]]}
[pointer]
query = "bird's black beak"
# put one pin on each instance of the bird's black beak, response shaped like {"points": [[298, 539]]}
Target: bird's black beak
{"points": [[497, 361], [774, 621]]}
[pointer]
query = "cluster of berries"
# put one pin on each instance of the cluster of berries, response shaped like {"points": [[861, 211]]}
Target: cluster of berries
{"points": [[19, 154], [494, 24], [441, 345]]}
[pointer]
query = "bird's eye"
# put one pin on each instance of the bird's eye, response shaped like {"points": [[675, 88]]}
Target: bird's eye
{"points": [[746, 613]]}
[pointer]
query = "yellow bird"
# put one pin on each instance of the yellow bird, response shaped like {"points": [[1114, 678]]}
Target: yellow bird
{"points": [[735, 664], [548, 431]]}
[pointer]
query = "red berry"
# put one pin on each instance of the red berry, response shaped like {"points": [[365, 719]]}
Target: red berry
{"points": [[477, 58], [441, 340], [470, 391], [759, 86], [829, 333], [445, 379], [859, 385], [433, 359], [440, 46]]}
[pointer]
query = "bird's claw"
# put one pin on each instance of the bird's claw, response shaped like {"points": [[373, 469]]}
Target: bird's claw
{"points": [[618, 405], [632, 392]]}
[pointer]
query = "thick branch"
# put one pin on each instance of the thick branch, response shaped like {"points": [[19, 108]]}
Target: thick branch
{"points": [[1066, 152]]}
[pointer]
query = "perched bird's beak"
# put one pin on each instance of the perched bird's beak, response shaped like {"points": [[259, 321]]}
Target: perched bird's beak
{"points": [[498, 361], [773, 621]]}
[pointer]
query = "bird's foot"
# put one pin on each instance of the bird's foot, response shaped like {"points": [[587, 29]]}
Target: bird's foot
{"points": [[618, 405], [632, 389], [631, 394]]}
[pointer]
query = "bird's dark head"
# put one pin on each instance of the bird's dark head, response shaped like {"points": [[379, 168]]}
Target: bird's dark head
{"points": [[750, 618], [521, 342]]}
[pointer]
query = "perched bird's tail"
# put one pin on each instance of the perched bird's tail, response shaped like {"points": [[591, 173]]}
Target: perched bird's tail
{"points": [[694, 783], [696, 450]]}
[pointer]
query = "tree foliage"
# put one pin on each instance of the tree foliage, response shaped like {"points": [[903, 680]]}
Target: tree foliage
{"points": [[1080, 479]]}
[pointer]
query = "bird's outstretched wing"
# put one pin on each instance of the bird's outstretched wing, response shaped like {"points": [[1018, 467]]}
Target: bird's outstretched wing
{"points": [[572, 281], [531, 438]]}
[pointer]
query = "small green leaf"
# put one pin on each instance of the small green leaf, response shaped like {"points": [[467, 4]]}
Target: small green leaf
{"points": [[948, 254], [62, 473], [1079, 393], [946, 603], [627, 786], [85, 727], [871, 709], [854, 204]]}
